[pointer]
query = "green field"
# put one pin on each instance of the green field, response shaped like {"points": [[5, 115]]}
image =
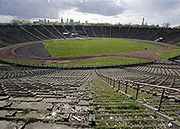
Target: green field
{"points": [[76, 48], [21, 61], [177, 44], [169, 53], [103, 61]]}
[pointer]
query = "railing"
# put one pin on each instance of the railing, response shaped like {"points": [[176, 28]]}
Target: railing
{"points": [[137, 86]]}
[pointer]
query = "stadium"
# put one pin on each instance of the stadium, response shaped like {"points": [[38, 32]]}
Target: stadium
{"points": [[69, 76]]}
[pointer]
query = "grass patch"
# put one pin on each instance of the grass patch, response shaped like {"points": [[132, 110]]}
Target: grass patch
{"points": [[76, 48], [178, 44], [20, 61], [169, 53], [103, 61]]}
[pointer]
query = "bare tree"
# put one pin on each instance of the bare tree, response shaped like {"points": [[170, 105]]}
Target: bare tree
{"points": [[166, 25]]}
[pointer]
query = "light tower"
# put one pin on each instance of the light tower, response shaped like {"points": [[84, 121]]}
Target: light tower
{"points": [[62, 22], [143, 22]]}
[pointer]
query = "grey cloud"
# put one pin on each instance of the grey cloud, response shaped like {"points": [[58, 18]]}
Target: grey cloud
{"points": [[158, 11], [156, 6], [102, 7], [163, 5], [43, 9], [28, 8]]}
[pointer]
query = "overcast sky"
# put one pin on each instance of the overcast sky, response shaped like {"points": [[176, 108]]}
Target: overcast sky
{"points": [[112, 11]]}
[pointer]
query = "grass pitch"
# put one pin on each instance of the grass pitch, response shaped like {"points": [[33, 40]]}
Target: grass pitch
{"points": [[102, 61], [169, 53], [87, 47]]}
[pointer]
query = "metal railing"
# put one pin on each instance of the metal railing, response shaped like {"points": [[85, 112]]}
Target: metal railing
{"points": [[137, 86]]}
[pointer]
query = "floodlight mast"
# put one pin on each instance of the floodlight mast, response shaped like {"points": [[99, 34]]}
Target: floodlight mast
{"points": [[143, 22]]}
